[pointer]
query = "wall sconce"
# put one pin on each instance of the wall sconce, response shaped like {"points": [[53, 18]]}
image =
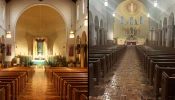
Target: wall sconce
{"points": [[148, 15], [113, 14], [155, 3]]}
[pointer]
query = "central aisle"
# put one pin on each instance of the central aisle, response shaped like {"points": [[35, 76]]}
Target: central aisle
{"points": [[127, 81], [38, 88]]}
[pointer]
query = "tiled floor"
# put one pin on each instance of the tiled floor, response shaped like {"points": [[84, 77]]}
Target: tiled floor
{"points": [[38, 88], [126, 81]]}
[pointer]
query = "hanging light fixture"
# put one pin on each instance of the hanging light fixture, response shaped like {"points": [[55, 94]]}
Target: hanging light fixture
{"points": [[113, 14], [106, 3], [8, 34], [155, 3], [71, 35], [86, 21]]}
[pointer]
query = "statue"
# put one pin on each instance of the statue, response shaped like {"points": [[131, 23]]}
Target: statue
{"points": [[131, 30], [136, 22], [39, 51], [135, 31]]}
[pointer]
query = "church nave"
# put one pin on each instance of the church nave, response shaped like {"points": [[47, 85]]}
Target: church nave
{"points": [[126, 80]]}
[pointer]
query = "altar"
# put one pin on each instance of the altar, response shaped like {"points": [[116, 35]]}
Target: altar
{"points": [[131, 42]]}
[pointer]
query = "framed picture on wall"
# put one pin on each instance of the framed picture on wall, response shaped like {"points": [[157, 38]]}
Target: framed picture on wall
{"points": [[8, 50], [71, 50]]}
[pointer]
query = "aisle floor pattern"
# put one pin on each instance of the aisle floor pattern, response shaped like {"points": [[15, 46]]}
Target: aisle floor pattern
{"points": [[38, 88], [126, 81]]}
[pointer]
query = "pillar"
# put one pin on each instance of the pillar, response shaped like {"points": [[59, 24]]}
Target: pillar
{"points": [[91, 34], [82, 55], [168, 36], [98, 38], [105, 36], [163, 37]]}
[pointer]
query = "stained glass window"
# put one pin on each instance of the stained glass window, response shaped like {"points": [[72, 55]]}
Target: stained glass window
{"points": [[131, 20], [121, 20], [141, 20]]}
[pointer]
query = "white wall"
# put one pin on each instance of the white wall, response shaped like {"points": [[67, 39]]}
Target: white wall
{"points": [[2, 22]]}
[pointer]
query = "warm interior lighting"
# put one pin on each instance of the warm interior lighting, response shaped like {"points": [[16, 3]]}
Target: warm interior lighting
{"points": [[155, 3], [71, 35], [148, 15], [106, 3], [86, 21], [8, 34], [113, 14]]}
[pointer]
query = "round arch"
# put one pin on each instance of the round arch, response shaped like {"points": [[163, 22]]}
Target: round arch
{"points": [[90, 18], [34, 33], [49, 5]]}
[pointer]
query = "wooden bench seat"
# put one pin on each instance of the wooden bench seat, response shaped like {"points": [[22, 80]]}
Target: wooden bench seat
{"points": [[103, 65], [158, 76], [12, 84], [77, 92], [7, 90], [152, 67], [70, 88], [2, 93], [96, 70], [168, 83]]}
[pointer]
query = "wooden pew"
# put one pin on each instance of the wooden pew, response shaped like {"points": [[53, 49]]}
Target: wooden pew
{"points": [[158, 76], [168, 83], [12, 85], [7, 90], [84, 97], [70, 75], [77, 92], [70, 88], [96, 70], [90, 77], [103, 65], [2, 93], [152, 67]]}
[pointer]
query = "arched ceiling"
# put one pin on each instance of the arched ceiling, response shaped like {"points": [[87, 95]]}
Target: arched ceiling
{"points": [[38, 0], [41, 20]]}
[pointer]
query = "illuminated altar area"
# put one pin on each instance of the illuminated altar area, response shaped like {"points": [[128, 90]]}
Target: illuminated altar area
{"points": [[131, 24], [39, 50]]}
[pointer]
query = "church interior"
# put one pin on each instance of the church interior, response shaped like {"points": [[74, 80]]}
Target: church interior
{"points": [[43, 49], [131, 50]]}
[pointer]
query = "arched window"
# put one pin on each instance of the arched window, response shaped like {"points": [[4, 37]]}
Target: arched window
{"points": [[121, 20], [3, 13], [141, 20], [83, 5], [78, 12], [131, 20]]}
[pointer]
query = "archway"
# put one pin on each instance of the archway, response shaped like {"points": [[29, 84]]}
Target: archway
{"points": [[96, 33], [43, 29], [91, 29]]}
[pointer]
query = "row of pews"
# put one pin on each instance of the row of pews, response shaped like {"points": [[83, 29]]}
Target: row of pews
{"points": [[69, 83], [101, 59], [159, 64], [13, 81]]}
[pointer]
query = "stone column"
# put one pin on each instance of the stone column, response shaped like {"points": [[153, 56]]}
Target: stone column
{"points": [[156, 37], [82, 55], [105, 36], [168, 36], [171, 36], [91, 34], [101, 36], [163, 37], [97, 31]]}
